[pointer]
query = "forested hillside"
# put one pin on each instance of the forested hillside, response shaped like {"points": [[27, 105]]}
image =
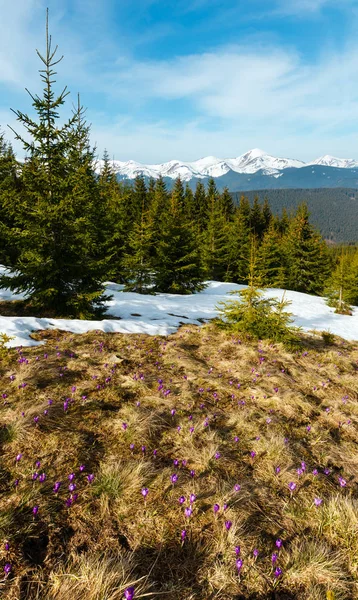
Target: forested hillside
{"points": [[334, 211]]}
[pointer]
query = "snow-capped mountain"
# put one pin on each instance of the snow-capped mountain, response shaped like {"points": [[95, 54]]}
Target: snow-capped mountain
{"points": [[210, 166], [253, 170], [332, 161]]}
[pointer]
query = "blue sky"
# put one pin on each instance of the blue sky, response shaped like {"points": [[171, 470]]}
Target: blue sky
{"points": [[183, 79]]}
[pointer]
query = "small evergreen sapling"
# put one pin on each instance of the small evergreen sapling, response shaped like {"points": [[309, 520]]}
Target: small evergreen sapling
{"points": [[255, 315]]}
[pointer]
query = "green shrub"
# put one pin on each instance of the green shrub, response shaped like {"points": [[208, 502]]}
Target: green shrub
{"points": [[261, 318]]}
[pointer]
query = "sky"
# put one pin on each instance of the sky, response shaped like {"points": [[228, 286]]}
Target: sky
{"points": [[184, 79]]}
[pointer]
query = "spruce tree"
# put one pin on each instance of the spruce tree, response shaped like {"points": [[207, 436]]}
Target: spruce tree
{"points": [[272, 259], [137, 263], [307, 255], [55, 266], [215, 238], [177, 263], [227, 204], [238, 249], [256, 219], [342, 289], [200, 210], [10, 187]]}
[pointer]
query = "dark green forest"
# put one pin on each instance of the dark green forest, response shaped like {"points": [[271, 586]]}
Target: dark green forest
{"points": [[65, 229], [333, 211]]}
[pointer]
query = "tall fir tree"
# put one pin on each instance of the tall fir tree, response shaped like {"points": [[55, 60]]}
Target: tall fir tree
{"points": [[227, 204], [55, 264], [10, 189], [200, 211], [342, 288], [177, 263], [256, 219], [137, 261], [272, 259], [215, 237], [239, 248], [307, 255]]}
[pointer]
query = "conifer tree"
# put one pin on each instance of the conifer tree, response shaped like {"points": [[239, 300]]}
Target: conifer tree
{"points": [[227, 204], [215, 238], [238, 249], [342, 289], [272, 260], [55, 264], [253, 314], [307, 255], [189, 203], [137, 262], [177, 263], [266, 215], [9, 193], [200, 207], [256, 219], [111, 220]]}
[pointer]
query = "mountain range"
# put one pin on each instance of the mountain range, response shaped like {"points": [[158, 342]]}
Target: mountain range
{"points": [[253, 170]]}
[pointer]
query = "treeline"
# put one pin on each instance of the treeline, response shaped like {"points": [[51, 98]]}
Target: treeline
{"points": [[64, 230], [333, 211]]}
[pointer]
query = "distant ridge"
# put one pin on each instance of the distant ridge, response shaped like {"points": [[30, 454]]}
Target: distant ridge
{"points": [[254, 161], [334, 211]]}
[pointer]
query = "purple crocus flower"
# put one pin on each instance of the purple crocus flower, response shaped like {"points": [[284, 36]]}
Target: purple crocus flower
{"points": [[318, 501], [277, 470], [57, 486], [183, 534], [237, 487], [7, 568], [315, 472], [274, 557], [253, 454], [216, 508], [71, 477], [255, 552], [342, 482], [174, 478], [72, 487], [7, 546], [237, 550], [144, 449], [175, 462], [192, 498], [278, 543], [228, 525], [82, 468], [192, 473], [239, 564], [35, 510], [42, 477], [129, 593], [217, 455], [292, 485], [144, 492], [90, 477], [188, 511], [181, 500], [19, 457], [124, 426], [278, 572], [34, 476]]}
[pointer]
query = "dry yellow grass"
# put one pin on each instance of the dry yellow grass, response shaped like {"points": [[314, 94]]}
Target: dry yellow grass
{"points": [[236, 421]]}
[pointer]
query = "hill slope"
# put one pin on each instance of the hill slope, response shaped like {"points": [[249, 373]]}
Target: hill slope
{"points": [[193, 466]]}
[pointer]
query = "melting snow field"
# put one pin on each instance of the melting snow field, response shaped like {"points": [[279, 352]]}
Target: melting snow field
{"points": [[164, 313]]}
